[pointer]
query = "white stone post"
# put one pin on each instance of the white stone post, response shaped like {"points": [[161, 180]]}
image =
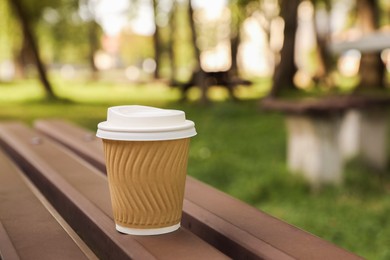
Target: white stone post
{"points": [[313, 148], [364, 133], [373, 138], [350, 134]]}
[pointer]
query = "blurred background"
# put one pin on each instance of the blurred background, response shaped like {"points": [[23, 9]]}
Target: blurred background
{"points": [[216, 60]]}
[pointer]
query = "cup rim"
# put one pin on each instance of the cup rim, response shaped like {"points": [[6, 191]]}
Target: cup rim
{"points": [[156, 124], [142, 134]]}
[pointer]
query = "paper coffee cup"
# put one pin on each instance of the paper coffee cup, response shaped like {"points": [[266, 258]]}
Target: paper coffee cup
{"points": [[146, 152]]}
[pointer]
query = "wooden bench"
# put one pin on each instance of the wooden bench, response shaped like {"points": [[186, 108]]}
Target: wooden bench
{"points": [[27, 221], [369, 43], [206, 79], [66, 164], [323, 133]]}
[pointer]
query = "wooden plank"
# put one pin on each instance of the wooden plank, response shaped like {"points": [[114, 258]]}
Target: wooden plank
{"points": [[226, 236], [80, 193], [373, 42], [229, 243], [88, 145], [233, 227], [325, 105], [7, 249], [27, 223], [289, 239]]}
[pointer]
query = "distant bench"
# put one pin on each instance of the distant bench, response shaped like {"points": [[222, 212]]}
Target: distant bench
{"points": [[206, 79], [65, 182], [323, 133]]}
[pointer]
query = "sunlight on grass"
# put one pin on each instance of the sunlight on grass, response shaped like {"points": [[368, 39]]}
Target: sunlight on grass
{"points": [[20, 91], [108, 93], [88, 92]]}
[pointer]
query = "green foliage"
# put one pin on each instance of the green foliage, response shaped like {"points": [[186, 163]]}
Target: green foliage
{"points": [[184, 52], [9, 31], [64, 36], [131, 50], [34, 9], [241, 151]]}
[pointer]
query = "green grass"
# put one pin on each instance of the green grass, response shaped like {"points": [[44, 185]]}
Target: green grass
{"points": [[241, 151]]}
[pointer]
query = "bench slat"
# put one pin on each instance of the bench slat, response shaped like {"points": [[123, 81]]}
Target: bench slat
{"points": [[325, 105], [287, 238], [230, 225], [80, 193], [230, 239], [228, 242], [88, 145], [7, 249], [26, 222]]}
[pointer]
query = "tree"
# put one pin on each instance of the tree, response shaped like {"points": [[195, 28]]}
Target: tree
{"points": [[93, 32], [194, 38], [372, 69], [283, 77], [30, 39], [238, 9], [90, 30], [9, 33], [156, 42], [323, 38], [171, 44]]}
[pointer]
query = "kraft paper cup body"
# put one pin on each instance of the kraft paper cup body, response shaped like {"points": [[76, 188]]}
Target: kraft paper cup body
{"points": [[147, 180], [146, 167]]}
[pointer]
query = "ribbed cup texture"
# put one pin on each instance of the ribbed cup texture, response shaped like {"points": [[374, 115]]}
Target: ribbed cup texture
{"points": [[147, 180]]}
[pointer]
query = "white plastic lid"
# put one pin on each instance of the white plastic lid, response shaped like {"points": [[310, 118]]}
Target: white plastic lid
{"points": [[142, 123]]}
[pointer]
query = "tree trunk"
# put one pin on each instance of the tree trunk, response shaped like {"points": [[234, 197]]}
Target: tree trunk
{"points": [[324, 55], [197, 74], [286, 69], [22, 58], [93, 47], [234, 43], [193, 34], [156, 43], [171, 49], [238, 15], [372, 69], [29, 36]]}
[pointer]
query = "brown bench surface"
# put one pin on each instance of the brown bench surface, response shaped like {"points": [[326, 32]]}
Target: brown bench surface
{"points": [[26, 224], [323, 105], [233, 227], [79, 192]]}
